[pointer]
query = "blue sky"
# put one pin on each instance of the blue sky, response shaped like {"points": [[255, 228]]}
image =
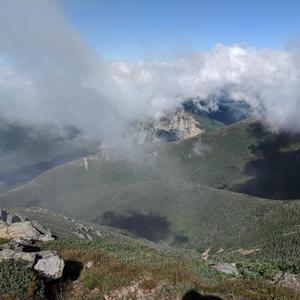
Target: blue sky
{"points": [[133, 29]]}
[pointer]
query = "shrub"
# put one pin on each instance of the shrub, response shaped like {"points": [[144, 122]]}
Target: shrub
{"points": [[256, 269], [18, 280]]}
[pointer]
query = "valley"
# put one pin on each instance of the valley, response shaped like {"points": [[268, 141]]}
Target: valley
{"points": [[203, 194]]}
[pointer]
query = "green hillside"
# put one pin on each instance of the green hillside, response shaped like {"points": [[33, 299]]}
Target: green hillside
{"points": [[246, 157], [189, 215], [156, 215], [178, 198]]}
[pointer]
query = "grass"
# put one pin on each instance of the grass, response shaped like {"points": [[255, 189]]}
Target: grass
{"points": [[207, 123], [118, 264]]}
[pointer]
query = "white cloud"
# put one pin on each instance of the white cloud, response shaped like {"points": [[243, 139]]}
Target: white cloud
{"points": [[53, 75]]}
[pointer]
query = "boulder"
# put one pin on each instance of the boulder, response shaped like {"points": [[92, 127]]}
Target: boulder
{"points": [[47, 263], [23, 230], [6, 217], [42, 229], [22, 233], [6, 254], [17, 245], [3, 215], [51, 266], [227, 268], [288, 280], [28, 257]]}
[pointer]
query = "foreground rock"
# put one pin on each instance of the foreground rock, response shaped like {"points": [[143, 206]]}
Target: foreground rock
{"points": [[227, 268], [47, 263], [18, 227], [22, 230], [288, 280], [22, 235], [50, 264]]}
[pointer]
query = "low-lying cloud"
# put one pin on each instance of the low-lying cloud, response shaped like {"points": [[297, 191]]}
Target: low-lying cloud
{"points": [[50, 74]]}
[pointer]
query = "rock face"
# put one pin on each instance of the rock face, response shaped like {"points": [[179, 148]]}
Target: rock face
{"points": [[173, 127], [227, 268]]}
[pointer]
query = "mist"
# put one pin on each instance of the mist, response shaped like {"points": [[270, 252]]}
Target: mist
{"points": [[50, 74]]}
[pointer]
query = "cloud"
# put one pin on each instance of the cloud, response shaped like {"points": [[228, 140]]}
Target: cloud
{"points": [[52, 75], [200, 148]]}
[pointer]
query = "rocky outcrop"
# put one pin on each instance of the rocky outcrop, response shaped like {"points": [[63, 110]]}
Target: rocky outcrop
{"points": [[22, 234], [227, 268], [18, 227], [84, 232], [23, 230], [47, 263], [7, 218], [173, 127]]}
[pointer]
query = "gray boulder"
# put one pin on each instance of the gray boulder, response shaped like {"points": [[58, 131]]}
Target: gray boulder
{"points": [[25, 230], [28, 257], [42, 229], [47, 263], [288, 280], [51, 266], [6, 254], [227, 268], [16, 245], [3, 215]]}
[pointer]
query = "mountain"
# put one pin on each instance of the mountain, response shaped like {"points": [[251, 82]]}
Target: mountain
{"points": [[196, 201], [191, 120], [188, 196], [172, 127]]}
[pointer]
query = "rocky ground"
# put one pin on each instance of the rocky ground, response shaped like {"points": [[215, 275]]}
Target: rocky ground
{"points": [[19, 236], [90, 266]]}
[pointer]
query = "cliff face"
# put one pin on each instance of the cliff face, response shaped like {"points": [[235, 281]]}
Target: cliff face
{"points": [[173, 127]]}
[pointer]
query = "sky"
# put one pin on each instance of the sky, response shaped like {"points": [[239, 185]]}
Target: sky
{"points": [[141, 29], [104, 65]]}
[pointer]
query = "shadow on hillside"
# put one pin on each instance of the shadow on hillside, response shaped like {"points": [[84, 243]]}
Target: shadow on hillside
{"points": [[72, 270], [276, 167], [148, 226], [70, 274], [193, 295]]}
